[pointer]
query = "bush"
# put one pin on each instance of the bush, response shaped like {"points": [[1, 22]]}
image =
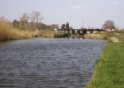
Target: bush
{"points": [[122, 31]]}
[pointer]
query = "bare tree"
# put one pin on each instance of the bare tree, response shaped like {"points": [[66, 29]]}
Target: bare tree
{"points": [[109, 25], [24, 17], [36, 17], [23, 24]]}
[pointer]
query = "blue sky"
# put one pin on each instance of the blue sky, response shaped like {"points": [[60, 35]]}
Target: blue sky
{"points": [[78, 13]]}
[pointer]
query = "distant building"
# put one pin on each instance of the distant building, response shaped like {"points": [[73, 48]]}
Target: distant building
{"points": [[110, 30]]}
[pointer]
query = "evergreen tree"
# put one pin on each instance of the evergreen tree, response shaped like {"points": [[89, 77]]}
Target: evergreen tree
{"points": [[67, 25], [63, 26]]}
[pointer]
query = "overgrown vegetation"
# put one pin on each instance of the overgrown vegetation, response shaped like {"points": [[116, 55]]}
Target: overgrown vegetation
{"points": [[8, 32], [28, 26], [109, 71], [121, 31]]}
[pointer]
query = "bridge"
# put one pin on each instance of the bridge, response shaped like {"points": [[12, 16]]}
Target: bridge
{"points": [[78, 32]]}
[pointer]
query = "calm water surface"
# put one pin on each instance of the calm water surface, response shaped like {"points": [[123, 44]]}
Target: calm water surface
{"points": [[48, 63]]}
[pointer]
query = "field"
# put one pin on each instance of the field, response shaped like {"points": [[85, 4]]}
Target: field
{"points": [[109, 71]]}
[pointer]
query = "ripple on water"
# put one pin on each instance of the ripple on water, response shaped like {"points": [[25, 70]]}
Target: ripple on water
{"points": [[40, 63]]}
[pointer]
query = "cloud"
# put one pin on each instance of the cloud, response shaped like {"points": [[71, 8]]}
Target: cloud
{"points": [[116, 2], [76, 7]]}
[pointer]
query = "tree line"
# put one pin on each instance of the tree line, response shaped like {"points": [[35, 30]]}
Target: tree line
{"points": [[108, 25], [33, 21]]}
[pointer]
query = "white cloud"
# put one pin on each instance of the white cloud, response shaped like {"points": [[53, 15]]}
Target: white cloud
{"points": [[76, 7], [116, 2]]}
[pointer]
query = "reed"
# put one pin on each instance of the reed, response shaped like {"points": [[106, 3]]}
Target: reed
{"points": [[7, 32]]}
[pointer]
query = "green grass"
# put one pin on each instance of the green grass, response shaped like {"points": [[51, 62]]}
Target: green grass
{"points": [[109, 72]]}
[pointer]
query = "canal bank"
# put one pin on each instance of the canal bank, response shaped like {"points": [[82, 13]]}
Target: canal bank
{"points": [[110, 67], [8, 33]]}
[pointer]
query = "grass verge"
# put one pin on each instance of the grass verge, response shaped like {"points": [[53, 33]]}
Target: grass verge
{"points": [[109, 71], [95, 36]]}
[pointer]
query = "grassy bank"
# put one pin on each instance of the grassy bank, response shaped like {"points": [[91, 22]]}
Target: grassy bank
{"points": [[109, 71], [95, 36]]}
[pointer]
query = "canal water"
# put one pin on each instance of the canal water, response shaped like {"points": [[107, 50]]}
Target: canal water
{"points": [[48, 63]]}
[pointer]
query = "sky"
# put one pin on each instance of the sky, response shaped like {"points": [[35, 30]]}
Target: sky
{"points": [[79, 13]]}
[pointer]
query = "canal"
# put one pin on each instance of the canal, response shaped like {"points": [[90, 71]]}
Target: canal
{"points": [[48, 63]]}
